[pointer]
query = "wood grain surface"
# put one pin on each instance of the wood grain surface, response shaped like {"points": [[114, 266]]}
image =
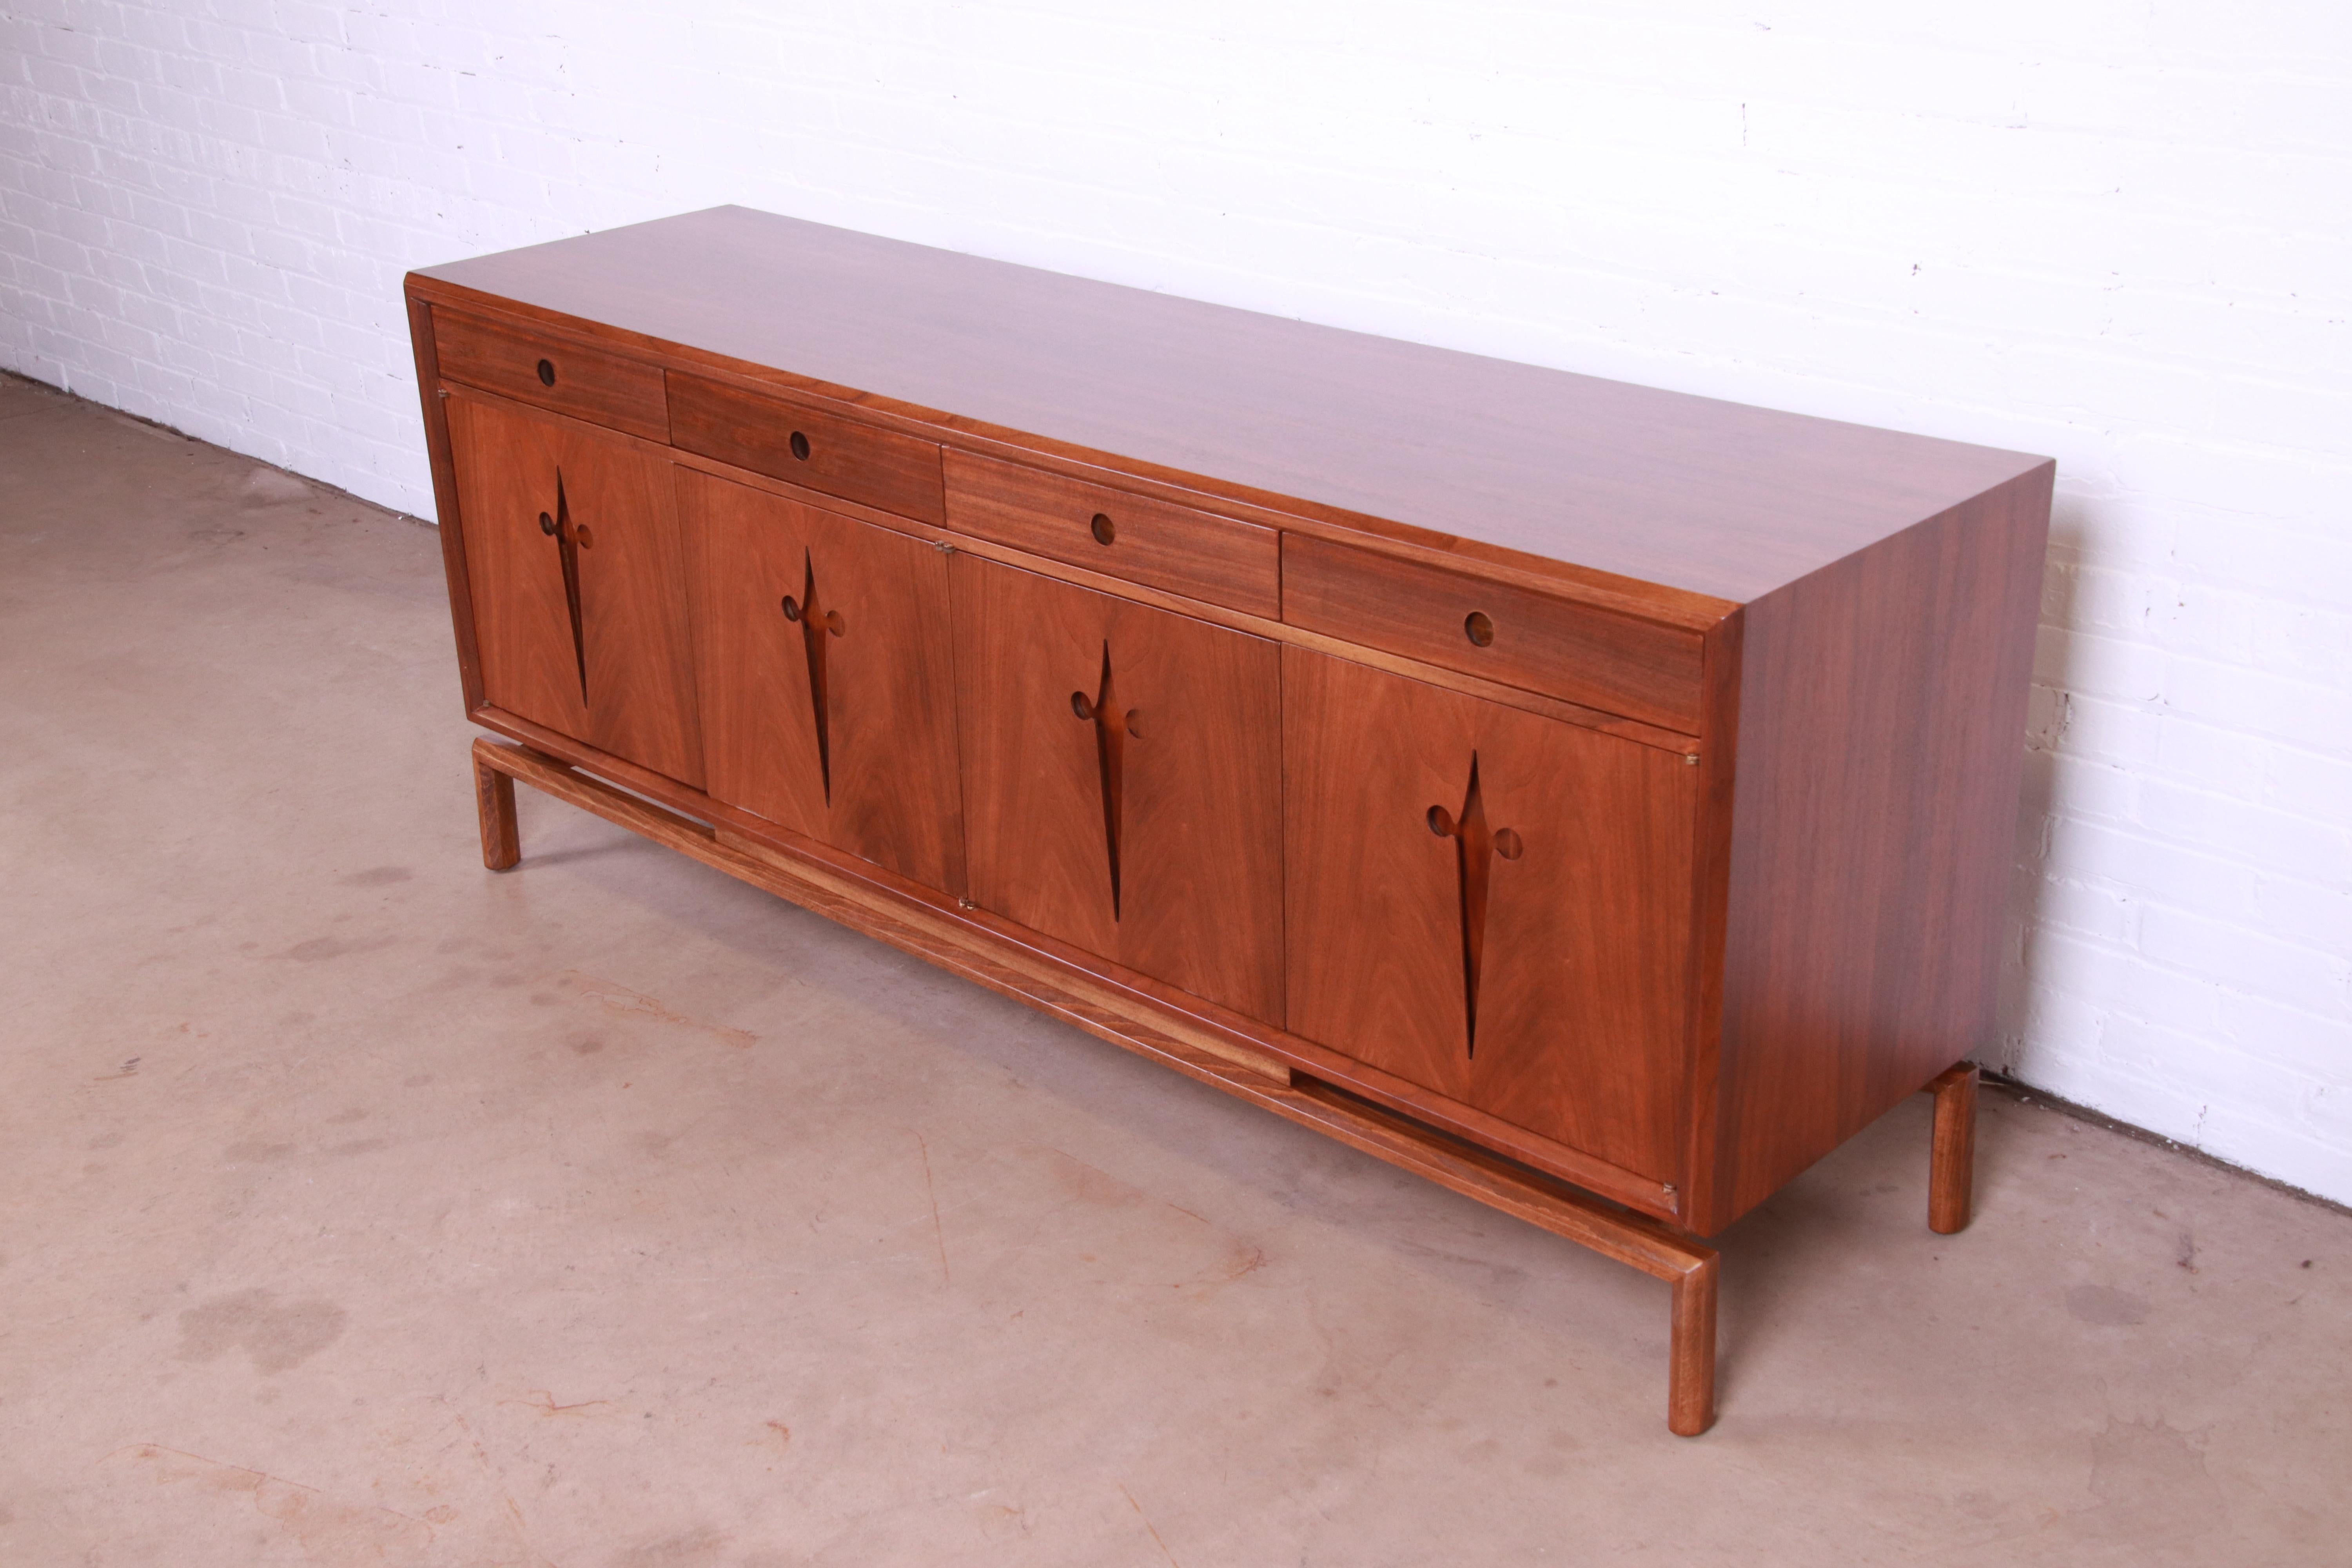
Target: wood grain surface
{"points": [[1565, 1015], [1196, 554], [1952, 1157], [579, 379], [1616, 663], [1143, 996], [1874, 829], [1514, 461], [807, 446], [1153, 836], [597, 647], [840, 722]]}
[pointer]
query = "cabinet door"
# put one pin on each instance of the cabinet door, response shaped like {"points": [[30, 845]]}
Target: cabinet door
{"points": [[572, 553], [1490, 904], [825, 665], [1122, 774]]}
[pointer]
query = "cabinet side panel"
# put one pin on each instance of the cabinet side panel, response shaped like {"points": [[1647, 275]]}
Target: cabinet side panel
{"points": [[445, 498], [1880, 745]]}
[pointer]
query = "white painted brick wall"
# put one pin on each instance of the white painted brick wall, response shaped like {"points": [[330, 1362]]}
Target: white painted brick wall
{"points": [[2117, 233]]}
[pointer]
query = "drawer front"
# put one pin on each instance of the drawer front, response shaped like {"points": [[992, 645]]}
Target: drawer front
{"points": [[554, 373], [791, 441], [1198, 554], [1614, 663]]}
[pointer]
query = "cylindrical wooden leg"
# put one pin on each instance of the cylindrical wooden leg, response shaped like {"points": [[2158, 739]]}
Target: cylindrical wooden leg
{"points": [[1951, 1168], [1690, 1382], [494, 798]]}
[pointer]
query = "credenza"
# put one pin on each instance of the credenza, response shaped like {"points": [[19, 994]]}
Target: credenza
{"points": [[1598, 800]]}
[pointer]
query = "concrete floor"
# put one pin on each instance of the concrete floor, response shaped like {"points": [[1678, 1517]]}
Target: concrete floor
{"points": [[358, 1206]]}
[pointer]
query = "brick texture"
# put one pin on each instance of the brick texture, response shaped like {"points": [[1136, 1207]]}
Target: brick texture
{"points": [[2117, 233]]}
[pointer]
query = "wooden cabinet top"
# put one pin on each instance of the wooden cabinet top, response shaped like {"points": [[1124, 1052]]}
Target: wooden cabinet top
{"points": [[1501, 462]]}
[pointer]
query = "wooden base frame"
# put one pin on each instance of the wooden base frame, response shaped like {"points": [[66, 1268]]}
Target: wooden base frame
{"points": [[1663, 1251]]}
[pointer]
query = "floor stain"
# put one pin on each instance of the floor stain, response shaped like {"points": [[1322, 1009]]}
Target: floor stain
{"points": [[702, 1545], [621, 1000], [2152, 1483], [328, 1530], [1098, 1189], [1148, 1525], [278, 1338], [321, 947], [2106, 1306], [930, 1191], [543, 1401], [272, 486]]}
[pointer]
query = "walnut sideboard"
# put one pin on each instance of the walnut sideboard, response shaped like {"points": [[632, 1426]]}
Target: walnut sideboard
{"points": [[1596, 799]]}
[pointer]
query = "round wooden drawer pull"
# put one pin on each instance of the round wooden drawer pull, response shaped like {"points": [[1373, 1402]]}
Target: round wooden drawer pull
{"points": [[791, 609], [546, 523], [1479, 628], [1081, 705], [546, 372], [581, 536], [800, 446], [1105, 531]]}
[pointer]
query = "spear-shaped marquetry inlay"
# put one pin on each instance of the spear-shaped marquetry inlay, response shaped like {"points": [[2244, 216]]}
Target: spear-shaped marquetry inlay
{"points": [[1113, 728], [816, 622], [569, 543], [1474, 845]]}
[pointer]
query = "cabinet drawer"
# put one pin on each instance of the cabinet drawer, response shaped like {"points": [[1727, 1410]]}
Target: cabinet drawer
{"points": [[1614, 663], [792, 441], [1196, 554], [551, 372]]}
